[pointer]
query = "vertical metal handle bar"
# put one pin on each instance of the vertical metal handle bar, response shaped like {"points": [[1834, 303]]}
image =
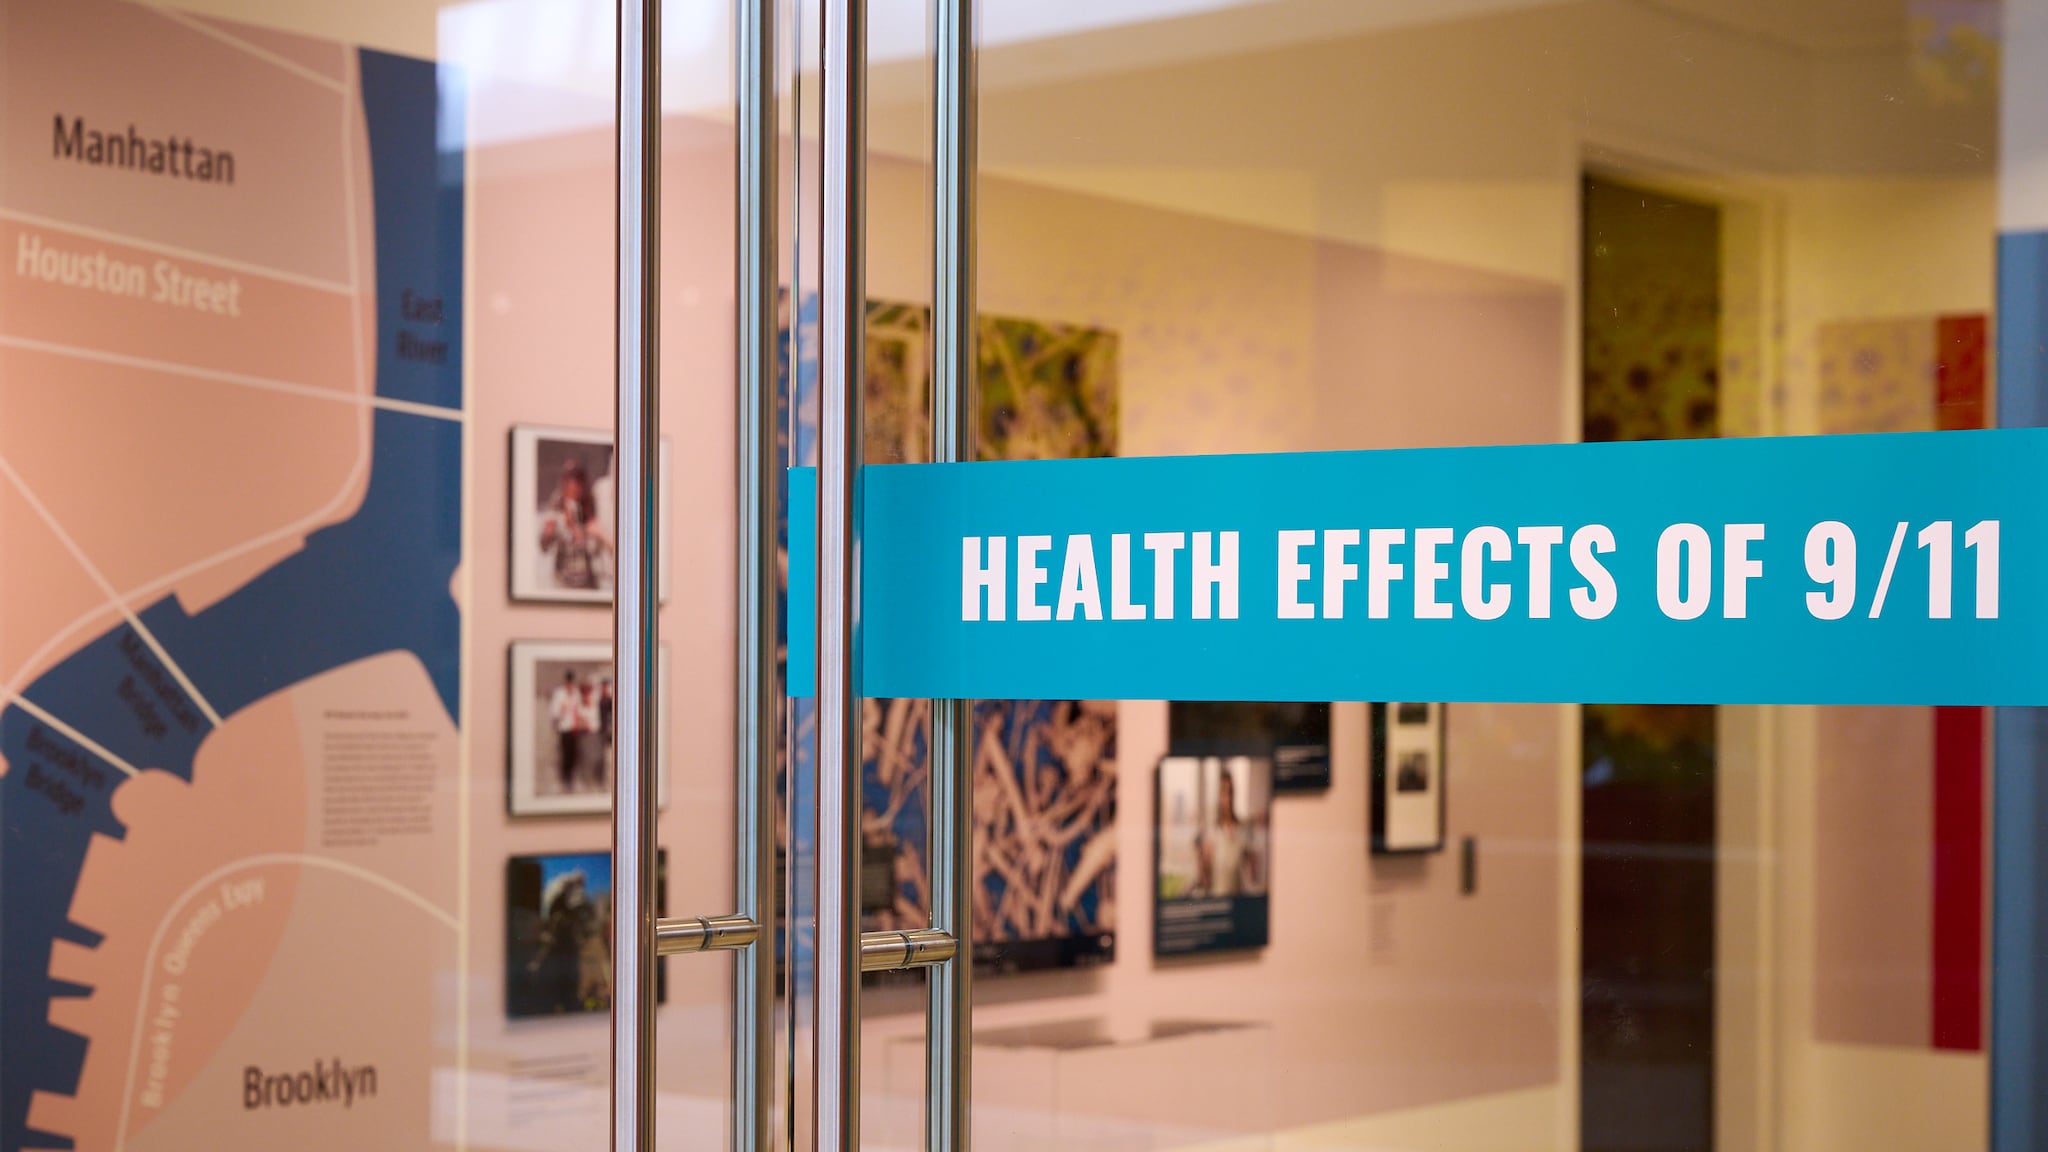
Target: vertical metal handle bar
{"points": [[842, 292], [638, 435], [759, 694], [948, 1079]]}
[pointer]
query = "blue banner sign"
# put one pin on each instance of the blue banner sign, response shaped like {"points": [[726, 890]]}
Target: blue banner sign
{"points": [[1881, 569]]}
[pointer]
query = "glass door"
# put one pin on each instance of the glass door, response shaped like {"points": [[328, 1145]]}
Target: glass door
{"points": [[1662, 857]]}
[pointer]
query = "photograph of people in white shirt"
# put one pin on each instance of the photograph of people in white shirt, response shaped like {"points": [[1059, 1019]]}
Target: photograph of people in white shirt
{"points": [[576, 756]]}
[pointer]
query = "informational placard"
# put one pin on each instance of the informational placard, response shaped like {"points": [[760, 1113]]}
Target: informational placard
{"points": [[1881, 569]]}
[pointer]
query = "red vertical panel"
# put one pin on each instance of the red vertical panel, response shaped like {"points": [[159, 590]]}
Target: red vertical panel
{"points": [[1959, 372], [1958, 920]]}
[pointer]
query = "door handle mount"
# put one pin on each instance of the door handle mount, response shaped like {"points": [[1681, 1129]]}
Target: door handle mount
{"points": [[896, 951], [682, 934]]}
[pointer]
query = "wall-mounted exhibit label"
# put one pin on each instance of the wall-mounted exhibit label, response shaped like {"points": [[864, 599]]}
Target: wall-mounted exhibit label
{"points": [[1843, 569]]}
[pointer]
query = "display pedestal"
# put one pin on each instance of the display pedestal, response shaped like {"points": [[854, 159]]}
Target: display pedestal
{"points": [[1090, 1086]]}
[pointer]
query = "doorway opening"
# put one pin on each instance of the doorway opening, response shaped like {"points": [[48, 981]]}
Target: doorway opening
{"points": [[1651, 288]]}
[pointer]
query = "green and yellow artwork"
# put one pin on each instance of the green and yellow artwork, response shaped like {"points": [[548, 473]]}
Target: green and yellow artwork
{"points": [[1048, 391]]}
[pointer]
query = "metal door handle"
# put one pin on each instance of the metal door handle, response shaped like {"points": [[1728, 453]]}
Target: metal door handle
{"points": [[638, 937], [704, 934], [842, 319], [954, 419], [844, 952], [638, 438]]}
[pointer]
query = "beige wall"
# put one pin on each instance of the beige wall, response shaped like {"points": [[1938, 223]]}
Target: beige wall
{"points": [[541, 301]]}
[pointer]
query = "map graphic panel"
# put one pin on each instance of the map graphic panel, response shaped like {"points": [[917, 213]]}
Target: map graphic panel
{"points": [[226, 769]]}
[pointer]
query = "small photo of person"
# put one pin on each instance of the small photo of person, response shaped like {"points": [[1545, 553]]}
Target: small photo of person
{"points": [[558, 927], [579, 719], [558, 931], [1214, 824], [564, 506], [563, 739], [1231, 846], [575, 537], [1213, 852]]}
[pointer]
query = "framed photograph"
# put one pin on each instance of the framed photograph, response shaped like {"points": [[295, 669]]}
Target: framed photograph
{"points": [[564, 507], [558, 926], [1407, 778], [560, 752], [1212, 854]]}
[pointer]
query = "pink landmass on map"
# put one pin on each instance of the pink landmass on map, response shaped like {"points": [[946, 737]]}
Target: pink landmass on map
{"points": [[246, 799], [339, 957], [235, 435]]}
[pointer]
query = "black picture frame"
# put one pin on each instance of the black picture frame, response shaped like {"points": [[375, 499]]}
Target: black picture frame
{"points": [[1295, 736], [1410, 768]]}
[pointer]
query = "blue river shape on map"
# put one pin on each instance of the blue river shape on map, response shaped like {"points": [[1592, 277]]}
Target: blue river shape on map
{"points": [[378, 582]]}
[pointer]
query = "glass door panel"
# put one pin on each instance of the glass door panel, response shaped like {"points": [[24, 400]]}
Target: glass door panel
{"points": [[310, 712], [1208, 229]]}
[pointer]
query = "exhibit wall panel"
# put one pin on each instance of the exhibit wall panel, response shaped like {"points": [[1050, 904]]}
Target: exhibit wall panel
{"points": [[225, 744]]}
